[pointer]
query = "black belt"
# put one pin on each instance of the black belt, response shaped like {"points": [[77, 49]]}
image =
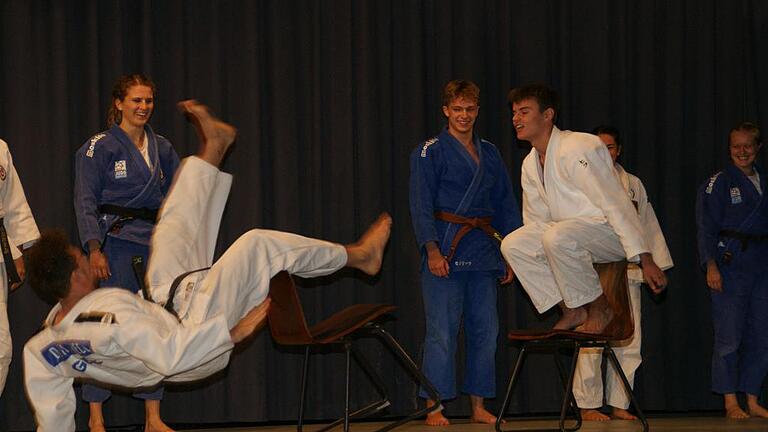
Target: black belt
{"points": [[5, 247], [175, 285], [744, 238], [125, 214], [147, 214]]}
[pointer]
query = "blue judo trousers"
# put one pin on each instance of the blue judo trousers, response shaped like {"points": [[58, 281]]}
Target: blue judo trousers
{"points": [[732, 219], [109, 169], [445, 177]]}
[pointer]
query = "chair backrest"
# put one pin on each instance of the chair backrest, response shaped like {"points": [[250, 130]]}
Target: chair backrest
{"points": [[613, 279], [286, 316]]}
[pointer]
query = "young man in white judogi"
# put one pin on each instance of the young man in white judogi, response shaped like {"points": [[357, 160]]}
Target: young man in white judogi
{"points": [[575, 213], [115, 337], [20, 233], [588, 382]]}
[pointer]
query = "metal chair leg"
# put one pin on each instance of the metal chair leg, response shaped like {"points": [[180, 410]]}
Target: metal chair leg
{"points": [[347, 348], [627, 387], [375, 378], [508, 394], [303, 395], [410, 366], [566, 393], [378, 384], [569, 393]]}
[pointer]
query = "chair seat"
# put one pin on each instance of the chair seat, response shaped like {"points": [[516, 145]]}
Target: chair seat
{"points": [[611, 333], [552, 334], [346, 321]]}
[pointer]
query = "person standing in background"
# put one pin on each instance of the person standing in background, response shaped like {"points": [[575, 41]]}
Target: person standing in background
{"points": [[462, 204], [121, 177], [732, 220], [18, 231]]}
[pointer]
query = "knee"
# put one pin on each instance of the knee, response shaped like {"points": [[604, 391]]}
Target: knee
{"points": [[724, 347], [439, 337], [484, 333], [556, 239], [253, 239], [511, 246]]}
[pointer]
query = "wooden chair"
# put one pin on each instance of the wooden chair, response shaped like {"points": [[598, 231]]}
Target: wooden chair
{"points": [[289, 327], [613, 279]]}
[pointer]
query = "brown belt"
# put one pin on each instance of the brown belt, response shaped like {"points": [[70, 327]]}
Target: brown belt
{"points": [[467, 225]]}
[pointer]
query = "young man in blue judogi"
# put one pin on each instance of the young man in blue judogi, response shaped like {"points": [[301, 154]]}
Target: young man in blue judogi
{"points": [[462, 205]]}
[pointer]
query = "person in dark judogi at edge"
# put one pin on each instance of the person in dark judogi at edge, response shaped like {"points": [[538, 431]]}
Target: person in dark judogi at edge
{"points": [[121, 177], [732, 218], [462, 205]]}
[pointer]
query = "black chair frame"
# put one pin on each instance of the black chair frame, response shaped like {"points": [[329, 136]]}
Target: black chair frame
{"points": [[573, 346]]}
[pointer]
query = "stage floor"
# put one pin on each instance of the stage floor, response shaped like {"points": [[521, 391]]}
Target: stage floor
{"points": [[697, 424]]}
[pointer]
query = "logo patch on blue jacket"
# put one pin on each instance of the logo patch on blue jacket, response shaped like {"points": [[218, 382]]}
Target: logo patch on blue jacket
{"points": [[735, 195], [120, 169], [57, 352]]}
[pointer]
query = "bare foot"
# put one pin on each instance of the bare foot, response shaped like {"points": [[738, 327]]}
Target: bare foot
{"points": [[436, 418], [215, 135], [599, 315], [156, 426], [735, 412], [593, 415], [622, 414], [96, 426], [571, 317], [754, 408], [732, 408], [367, 253], [482, 415], [153, 422]]}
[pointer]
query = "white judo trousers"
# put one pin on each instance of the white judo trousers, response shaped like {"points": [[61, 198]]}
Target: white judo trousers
{"points": [[588, 385], [588, 378], [185, 238], [554, 260]]}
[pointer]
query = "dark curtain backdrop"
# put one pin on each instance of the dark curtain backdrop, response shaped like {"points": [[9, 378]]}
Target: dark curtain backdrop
{"points": [[330, 98]]}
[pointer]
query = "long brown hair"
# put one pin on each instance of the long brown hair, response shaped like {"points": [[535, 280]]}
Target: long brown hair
{"points": [[120, 90]]}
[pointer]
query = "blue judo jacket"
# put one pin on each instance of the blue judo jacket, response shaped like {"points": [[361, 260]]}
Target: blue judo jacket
{"points": [[109, 169], [445, 177], [730, 201]]}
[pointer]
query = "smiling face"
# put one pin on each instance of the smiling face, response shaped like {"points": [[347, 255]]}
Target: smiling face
{"points": [[743, 150], [461, 114], [136, 107], [530, 123]]}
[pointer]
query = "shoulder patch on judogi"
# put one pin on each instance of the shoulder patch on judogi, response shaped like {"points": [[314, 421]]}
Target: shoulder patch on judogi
{"points": [[712, 181], [427, 143], [98, 317], [92, 145]]}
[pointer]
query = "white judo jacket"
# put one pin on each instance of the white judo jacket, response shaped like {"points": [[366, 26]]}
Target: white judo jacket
{"points": [[579, 181], [18, 220], [114, 336]]}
